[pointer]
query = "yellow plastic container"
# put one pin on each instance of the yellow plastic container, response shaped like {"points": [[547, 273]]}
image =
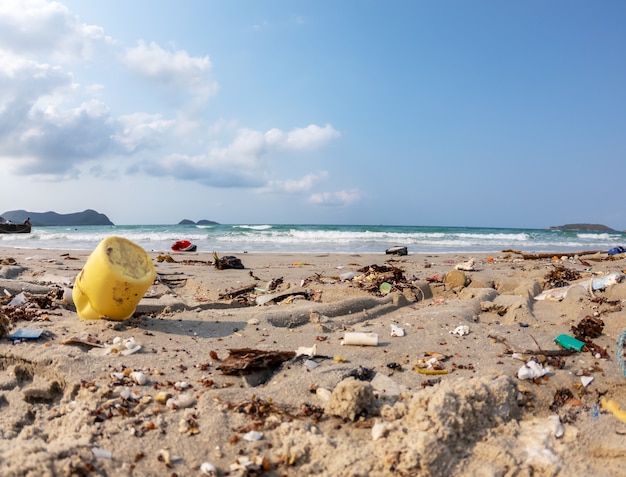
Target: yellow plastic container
{"points": [[114, 279]]}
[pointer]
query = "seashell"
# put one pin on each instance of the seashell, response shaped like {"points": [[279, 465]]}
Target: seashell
{"points": [[139, 377], [323, 394], [181, 385], [461, 330], [253, 436], [208, 469], [379, 429], [397, 331], [586, 380], [185, 400]]}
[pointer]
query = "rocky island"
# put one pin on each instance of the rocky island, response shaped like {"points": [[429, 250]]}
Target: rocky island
{"points": [[584, 227], [42, 219], [199, 222]]}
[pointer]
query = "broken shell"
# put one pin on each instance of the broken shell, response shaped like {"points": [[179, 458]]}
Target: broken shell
{"points": [[208, 469], [323, 394], [397, 331], [461, 330], [253, 436], [586, 380], [139, 377]]}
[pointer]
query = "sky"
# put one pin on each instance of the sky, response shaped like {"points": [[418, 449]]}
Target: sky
{"points": [[411, 112]]}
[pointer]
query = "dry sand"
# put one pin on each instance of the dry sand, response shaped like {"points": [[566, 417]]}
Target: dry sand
{"points": [[72, 409]]}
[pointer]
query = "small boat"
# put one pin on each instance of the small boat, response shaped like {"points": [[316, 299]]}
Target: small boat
{"points": [[9, 228], [184, 246]]}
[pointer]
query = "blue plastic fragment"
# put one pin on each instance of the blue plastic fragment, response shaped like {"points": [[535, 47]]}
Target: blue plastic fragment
{"points": [[26, 333]]}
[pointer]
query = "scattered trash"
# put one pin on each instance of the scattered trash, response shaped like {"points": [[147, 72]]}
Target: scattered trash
{"points": [[398, 250], [304, 351], [184, 246], [227, 262], [465, 266], [26, 334], [617, 250], [357, 338], [614, 408], [309, 363], [532, 370], [461, 330], [114, 279], [591, 285], [101, 453], [396, 331], [19, 300], [88, 341], [567, 342], [385, 288]]}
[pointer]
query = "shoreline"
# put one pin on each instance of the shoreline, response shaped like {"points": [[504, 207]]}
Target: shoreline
{"points": [[84, 404]]}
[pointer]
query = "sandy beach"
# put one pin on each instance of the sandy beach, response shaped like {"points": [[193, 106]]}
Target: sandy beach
{"points": [[245, 372]]}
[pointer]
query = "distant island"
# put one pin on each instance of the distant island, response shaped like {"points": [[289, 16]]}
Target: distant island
{"points": [[42, 219], [199, 222], [584, 227]]}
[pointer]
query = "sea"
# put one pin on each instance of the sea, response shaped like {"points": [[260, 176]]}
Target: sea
{"points": [[319, 239]]}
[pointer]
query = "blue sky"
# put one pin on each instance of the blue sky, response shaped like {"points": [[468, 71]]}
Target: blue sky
{"points": [[459, 113]]}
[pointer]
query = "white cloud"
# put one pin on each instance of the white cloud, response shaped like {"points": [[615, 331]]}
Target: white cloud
{"points": [[295, 186], [310, 137], [172, 69], [336, 199], [43, 27], [245, 162], [142, 130]]}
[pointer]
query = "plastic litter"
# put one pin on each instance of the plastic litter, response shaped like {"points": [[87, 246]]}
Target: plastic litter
{"points": [[113, 280], [600, 283], [532, 370], [357, 338], [26, 333], [19, 300], [569, 342]]}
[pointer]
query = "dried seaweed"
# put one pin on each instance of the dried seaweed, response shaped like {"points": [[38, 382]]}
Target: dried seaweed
{"points": [[243, 361], [560, 277]]}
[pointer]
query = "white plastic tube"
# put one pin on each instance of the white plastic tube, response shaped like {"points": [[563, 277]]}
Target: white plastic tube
{"points": [[357, 338]]}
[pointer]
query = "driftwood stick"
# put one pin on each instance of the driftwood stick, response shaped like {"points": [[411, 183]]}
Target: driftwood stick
{"points": [[537, 256], [534, 352]]}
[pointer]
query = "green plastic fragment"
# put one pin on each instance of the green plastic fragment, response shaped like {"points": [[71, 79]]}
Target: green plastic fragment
{"points": [[569, 342]]}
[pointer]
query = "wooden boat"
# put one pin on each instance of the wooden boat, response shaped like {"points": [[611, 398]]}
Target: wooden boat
{"points": [[15, 228]]}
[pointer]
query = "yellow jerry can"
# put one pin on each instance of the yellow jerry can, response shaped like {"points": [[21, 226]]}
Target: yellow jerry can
{"points": [[114, 279]]}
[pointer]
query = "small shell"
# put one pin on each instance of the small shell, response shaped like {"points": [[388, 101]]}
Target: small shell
{"points": [[253, 436], [185, 400], [397, 331], [208, 469], [139, 377]]}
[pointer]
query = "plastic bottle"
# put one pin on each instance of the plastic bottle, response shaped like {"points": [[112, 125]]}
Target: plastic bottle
{"points": [[114, 279]]}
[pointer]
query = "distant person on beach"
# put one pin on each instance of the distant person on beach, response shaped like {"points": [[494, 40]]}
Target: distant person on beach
{"points": [[27, 221]]}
